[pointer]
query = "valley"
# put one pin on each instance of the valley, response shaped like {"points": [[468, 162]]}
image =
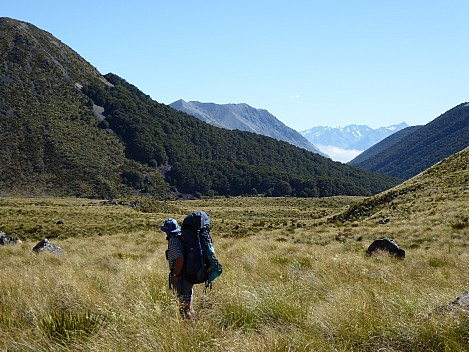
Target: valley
{"points": [[95, 165]]}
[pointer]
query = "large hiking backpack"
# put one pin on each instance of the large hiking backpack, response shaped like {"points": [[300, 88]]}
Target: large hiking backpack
{"points": [[200, 262]]}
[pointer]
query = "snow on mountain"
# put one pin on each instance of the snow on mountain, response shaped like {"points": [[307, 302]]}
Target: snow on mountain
{"points": [[345, 143]]}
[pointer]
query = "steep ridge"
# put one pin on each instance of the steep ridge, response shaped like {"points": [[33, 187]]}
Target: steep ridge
{"points": [[50, 143], [67, 130], [245, 118], [445, 135]]}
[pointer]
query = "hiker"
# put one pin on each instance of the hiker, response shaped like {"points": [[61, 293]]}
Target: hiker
{"points": [[175, 257]]}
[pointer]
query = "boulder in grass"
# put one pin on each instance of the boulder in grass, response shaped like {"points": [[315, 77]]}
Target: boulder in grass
{"points": [[460, 303], [6, 239], [386, 245], [46, 246]]}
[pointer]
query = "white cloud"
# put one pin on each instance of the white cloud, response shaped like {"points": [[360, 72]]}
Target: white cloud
{"points": [[296, 96], [339, 154]]}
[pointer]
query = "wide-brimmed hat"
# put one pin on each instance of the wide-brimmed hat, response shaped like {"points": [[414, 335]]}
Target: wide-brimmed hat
{"points": [[170, 226]]}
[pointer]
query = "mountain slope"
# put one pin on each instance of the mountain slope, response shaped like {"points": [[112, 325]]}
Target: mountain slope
{"points": [[50, 143], [386, 143], [445, 135], [67, 130], [245, 118]]}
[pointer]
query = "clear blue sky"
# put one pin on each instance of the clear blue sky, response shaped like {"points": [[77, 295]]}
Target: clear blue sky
{"points": [[309, 63]]}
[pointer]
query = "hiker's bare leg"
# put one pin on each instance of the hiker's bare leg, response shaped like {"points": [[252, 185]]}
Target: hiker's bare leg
{"points": [[184, 290], [190, 308], [186, 309]]}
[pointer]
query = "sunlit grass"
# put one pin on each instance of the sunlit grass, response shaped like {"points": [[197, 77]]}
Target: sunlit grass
{"points": [[284, 287]]}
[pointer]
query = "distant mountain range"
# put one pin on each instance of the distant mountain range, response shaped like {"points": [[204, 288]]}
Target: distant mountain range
{"points": [[358, 137], [340, 144], [344, 143], [398, 150], [244, 118]]}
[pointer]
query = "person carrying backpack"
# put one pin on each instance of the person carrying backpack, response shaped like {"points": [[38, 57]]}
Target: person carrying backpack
{"points": [[175, 257], [191, 257]]}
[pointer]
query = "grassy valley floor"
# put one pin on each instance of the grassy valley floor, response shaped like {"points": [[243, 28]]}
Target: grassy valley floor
{"points": [[292, 280]]}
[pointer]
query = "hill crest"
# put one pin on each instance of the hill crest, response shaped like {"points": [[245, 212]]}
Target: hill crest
{"points": [[441, 189]]}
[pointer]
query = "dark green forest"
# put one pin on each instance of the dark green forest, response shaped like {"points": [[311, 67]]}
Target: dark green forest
{"points": [[213, 161]]}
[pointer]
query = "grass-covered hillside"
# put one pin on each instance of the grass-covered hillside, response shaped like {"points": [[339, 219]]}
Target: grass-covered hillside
{"points": [[295, 275], [292, 280], [67, 130], [438, 195]]}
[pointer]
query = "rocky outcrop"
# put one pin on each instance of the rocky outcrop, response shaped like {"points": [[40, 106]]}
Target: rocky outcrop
{"points": [[387, 245], [6, 239], [46, 246]]}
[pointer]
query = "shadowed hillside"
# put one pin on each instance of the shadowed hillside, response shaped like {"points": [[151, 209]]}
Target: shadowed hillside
{"points": [[381, 146], [50, 142], [445, 135]]}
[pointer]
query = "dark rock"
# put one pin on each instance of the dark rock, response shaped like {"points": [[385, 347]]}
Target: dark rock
{"points": [[46, 246], [6, 239], [387, 245], [129, 204], [109, 202], [59, 222], [384, 221]]}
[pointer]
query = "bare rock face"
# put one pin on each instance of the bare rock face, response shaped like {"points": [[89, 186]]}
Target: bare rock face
{"points": [[46, 246], [6, 239], [245, 118], [386, 245]]}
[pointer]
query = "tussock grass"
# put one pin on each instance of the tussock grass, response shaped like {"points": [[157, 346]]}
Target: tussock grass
{"points": [[292, 281]]}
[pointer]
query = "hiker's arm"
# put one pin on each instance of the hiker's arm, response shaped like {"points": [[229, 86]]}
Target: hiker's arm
{"points": [[177, 270], [178, 266]]}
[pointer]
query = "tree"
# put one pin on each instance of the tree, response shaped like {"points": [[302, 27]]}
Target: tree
{"points": [[133, 179], [282, 188]]}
